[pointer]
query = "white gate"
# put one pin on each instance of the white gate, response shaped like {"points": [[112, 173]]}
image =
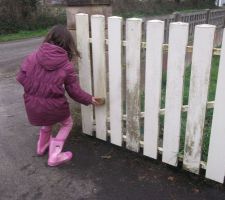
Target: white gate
{"points": [[107, 63]]}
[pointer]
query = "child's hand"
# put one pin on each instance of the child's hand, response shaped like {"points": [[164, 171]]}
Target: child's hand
{"points": [[97, 101]]}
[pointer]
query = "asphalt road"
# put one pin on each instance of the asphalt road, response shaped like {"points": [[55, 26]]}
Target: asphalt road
{"points": [[98, 170], [12, 53]]}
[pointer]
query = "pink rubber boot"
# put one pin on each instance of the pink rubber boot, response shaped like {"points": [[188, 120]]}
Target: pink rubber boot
{"points": [[44, 139], [56, 156]]}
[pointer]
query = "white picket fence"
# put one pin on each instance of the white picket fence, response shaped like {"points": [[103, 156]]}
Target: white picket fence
{"points": [[97, 119]]}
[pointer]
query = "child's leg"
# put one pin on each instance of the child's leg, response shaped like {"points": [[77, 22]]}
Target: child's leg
{"points": [[43, 141], [56, 156], [46, 130], [65, 128]]}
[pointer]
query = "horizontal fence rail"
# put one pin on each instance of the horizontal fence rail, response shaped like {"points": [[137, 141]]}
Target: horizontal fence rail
{"points": [[189, 49], [113, 66]]}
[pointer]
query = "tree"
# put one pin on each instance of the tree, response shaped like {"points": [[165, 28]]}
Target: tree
{"points": [[15, 14]]}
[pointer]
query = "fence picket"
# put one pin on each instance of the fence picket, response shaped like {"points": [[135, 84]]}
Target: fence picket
{"points": [[99, 71], [115, 78], [84, 63], [201, 65], [153, 77], [216, 157], [133, 37], [178, 39]]}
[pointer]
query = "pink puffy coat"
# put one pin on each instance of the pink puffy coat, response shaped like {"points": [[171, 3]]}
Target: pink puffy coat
{"points": [[45, 75]]}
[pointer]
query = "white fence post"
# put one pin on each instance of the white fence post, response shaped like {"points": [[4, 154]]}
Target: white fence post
{"points": [[153, 78], [115, 78], [216, 157], [178, 38], [84, 63], [201, 65], [99, 71], [133, 47]]}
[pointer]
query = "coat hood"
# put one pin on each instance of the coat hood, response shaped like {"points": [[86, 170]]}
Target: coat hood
{"points": [[51, 57]]}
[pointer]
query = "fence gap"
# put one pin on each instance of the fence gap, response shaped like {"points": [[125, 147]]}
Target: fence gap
{"points": [[209, 112]]}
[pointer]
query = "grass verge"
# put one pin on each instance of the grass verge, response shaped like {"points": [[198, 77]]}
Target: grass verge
{"points": [[23, 35]]}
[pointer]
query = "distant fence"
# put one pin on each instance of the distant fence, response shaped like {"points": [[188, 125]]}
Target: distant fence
{"points": [[214, 17], [120, 125]]}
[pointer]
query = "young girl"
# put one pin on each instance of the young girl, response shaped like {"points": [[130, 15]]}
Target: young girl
{"points": [[45, 75]]}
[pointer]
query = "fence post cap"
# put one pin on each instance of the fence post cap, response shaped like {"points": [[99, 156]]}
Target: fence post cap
{"points": [[134, 19], [155, 21], [179, 23], [114, 17], [97, 16], [81, 14], [206, 26]]}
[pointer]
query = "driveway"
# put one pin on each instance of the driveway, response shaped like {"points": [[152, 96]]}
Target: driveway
{"points": [[98, 170], [12, 53]]}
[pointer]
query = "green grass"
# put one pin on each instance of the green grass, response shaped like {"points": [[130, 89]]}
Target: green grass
{"points": [[209, 112], [23, 35]]}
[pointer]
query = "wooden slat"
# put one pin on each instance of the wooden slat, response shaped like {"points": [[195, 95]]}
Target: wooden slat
{"points": [[99, 71], [153, 77], [216, 156], [133, 36], [84, 64], [178, 39], [115, 75], [201, 64]]}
